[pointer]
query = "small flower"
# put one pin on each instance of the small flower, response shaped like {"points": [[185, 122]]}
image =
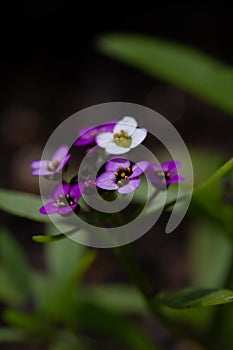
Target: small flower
{"points": [[166, 174], [53, 166], [88, 136], [124, 137], [121, 176], [64, 199]]}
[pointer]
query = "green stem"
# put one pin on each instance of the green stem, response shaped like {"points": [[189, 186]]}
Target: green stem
{"points": [[126, 256]]}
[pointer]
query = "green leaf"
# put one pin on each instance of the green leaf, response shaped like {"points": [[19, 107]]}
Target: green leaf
{"points": [[112, 326], [182, 66], [118, 298], [48, 239], [62, 257], [194, 297], [15, 263], [10, 335], [208, 199], [220, 173], [210, 255], [22, 204], [8, 293]]}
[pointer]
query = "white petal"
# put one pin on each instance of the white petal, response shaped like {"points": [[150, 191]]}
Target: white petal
{"points": [[112, 148], [138, 136], [128, 124], [104, 138]]}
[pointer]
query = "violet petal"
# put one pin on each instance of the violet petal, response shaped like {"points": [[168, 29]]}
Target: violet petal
{"points": [[60, 153], [49, 208], [66, 210], [107, 181], [132, 185], [115, 163], [61, 189], [76, 191]]}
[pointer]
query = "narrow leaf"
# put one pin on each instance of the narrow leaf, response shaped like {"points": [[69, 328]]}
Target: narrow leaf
{"points": [[194, 297], [182, 66], [48, 239], [22, 204]]}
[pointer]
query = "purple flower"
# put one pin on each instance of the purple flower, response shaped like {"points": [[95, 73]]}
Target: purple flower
{"points": [[88, 136], [121, 176], [53, 166], [63, 200], [125, 136], [166, 174]]}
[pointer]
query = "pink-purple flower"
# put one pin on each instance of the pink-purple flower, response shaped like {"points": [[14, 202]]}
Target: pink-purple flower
{"points": [[88, 136], [53, 166], [125, 136], [121, 176], [63, 200], [166, 174]]}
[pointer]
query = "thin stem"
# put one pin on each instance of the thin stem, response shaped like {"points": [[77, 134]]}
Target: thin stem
{"points": [[126, 256]]}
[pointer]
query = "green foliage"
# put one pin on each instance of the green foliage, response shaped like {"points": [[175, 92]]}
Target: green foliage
{"points": [[184, 67], [22, 204], [194, 297]]}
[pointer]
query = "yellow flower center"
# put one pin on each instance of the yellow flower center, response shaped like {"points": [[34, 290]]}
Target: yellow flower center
{"points": [[122, 176], [122, 139]]}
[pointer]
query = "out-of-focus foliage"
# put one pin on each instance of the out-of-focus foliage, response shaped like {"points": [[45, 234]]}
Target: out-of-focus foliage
{"points": [[184, 67]]}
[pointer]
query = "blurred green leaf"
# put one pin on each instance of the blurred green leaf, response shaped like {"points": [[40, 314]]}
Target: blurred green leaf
{"points": [[110, 325], [118, 298], [8, 293], [48, 239], [62, 257], [210, 255], [208, 199], [22, 204], [182, 66], [220, 173], [194, 297], [16, 318], [14, 263], [10, 335]]}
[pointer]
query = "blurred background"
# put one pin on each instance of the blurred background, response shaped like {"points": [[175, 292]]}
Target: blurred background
{"points": [[50, 68]]}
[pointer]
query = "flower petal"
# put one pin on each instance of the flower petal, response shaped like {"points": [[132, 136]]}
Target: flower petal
{"points": [[107, 181], [76, 191], [49, 208], [175, 179], [60, 153], [66, 210], [104, 138], [39, 164], [172, 166], [138, 136], [62, 164], [115, 163], [108, 127], [42, 172], [61, 189], [139, 168], [132, 185], [86, 136], [112, 148], [128, 124]]}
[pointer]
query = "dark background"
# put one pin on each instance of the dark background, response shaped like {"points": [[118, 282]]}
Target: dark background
{"points": [[50, 68]]}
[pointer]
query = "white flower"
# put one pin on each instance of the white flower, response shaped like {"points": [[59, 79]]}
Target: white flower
{"points": [[125, 136]]}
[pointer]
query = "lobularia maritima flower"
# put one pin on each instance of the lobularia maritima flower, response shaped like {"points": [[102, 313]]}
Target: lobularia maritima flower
{"points": [[121, 176], [166, 174], [53, 166], [88, 136], [125, 136], [63, 200]]}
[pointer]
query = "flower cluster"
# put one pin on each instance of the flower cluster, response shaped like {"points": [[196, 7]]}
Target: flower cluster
{"points": [[119, 173]]}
